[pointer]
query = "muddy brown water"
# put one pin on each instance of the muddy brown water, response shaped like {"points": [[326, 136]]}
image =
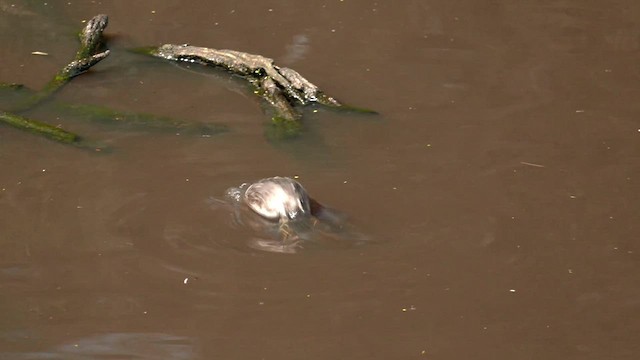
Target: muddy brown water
{"points": [[500, 185]]}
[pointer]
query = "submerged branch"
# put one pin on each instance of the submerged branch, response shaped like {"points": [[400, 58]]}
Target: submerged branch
{"points": [[147, 121], [49, 131], [102, 114], [91, 40], [11, 86]]}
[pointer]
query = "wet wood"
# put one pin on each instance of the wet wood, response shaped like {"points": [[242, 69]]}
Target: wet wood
{"points": [[91, 41], [281, 87]]}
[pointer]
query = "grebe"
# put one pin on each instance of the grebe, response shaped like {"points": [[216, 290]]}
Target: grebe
{"points": [[279, 199]]}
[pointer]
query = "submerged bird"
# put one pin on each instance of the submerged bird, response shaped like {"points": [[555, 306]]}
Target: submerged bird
{"points": [[281, 209], [278, 198]]}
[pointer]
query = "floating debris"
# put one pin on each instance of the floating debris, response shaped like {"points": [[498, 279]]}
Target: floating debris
{"points": [[531, 164]]}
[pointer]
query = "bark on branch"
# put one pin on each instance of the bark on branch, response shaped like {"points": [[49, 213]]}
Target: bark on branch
{"points": [[281, 87], [91, 41]]}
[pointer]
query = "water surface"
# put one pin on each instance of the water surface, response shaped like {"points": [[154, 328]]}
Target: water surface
{"points": [[500, 182]]}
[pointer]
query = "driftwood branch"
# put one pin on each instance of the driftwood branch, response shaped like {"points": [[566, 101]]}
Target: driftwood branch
{"points": [[91, 40], [89, 53], [281, 87]]}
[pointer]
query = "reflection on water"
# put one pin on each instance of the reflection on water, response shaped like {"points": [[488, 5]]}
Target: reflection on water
{"points": [[143, 346], [297, 49], [330, 230]]}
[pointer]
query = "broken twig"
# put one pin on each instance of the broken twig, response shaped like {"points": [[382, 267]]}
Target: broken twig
{"points": [[87, 56], [91, 40]]}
